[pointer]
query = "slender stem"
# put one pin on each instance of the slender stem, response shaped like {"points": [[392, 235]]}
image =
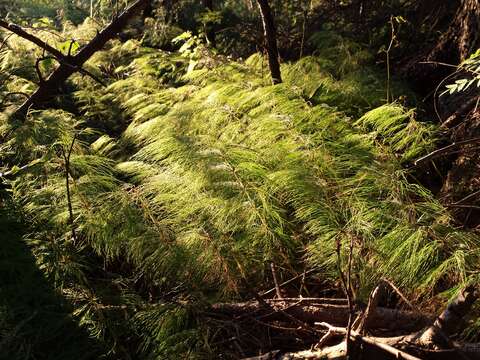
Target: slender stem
{"points": [[304, 26], [289, 281], [392, 40], [349, 297], [399, 293], [445, 150], [275, 280], [469, 197], [346, 283], [66, 157]]}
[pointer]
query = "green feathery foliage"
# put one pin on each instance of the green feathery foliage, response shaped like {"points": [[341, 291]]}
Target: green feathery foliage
{"points": [[207, 174]]}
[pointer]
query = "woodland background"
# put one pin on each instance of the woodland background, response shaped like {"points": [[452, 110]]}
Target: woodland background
{"points": [[230, 179]]}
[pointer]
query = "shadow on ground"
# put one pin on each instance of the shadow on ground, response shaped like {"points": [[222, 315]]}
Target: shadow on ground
{"points": [[35, 321]]}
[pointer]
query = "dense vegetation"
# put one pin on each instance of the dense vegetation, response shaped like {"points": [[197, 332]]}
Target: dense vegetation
{"points": [[171, 176]]}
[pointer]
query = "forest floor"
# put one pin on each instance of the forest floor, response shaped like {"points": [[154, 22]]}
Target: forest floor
{"points": [[32, 312]]}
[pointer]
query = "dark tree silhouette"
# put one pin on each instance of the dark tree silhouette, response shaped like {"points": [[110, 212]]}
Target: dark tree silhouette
{"points": [[270, 40], [462, 36]]}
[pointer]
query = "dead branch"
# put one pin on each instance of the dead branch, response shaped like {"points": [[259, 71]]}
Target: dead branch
{"points": [[275, 280], [399, 293], [467, 198], [18, 30], [431, 342], [445, 150], [312, 311], [399, 354], [287, 282], [70, 64], [66, 157], [449, 320], [372, 305]]}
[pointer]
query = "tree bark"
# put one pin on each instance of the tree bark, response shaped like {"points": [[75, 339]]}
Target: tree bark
{"points": [[462, 36], [270, 40]]}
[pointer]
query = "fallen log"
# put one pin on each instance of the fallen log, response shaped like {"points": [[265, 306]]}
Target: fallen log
{"points": [[431, 343], [321, 310], [446, 324]]}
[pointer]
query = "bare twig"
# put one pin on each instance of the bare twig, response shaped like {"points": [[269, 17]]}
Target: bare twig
{"points": [[445, 150], [346, 283], [287, 282], [349, 296], [326, 338], [399, 354], [275, 280], [5, 41], [37, 67], [465, 199], [370, 310], [399, 293], [66, 157], [92, 76], [303, 300], [70, 47], [464, 206], [387, 54], [438, 63], [462, 110], [302, 284], [435, 105]]}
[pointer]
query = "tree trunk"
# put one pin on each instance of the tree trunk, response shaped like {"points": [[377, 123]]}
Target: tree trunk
{"points": [[462, 37], [209, 28], [270, 40]]}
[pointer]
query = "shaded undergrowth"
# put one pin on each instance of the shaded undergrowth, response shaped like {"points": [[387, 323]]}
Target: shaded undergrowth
{"points": [[35, 321]]}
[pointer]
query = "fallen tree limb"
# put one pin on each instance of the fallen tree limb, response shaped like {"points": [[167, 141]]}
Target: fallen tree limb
{"points": [[70, 64], [318, 310], [446, 324], [372, 341], [431, 343], [456, 117]]}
